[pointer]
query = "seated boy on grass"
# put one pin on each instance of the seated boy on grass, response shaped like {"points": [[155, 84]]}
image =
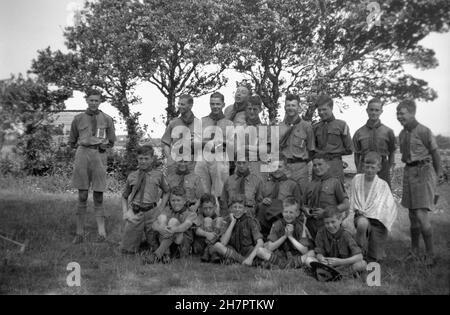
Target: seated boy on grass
{"points": [[174, 229], [336, 247], [288, 245], [208, 227], [374, 207], [242, 238], [139, 202]]}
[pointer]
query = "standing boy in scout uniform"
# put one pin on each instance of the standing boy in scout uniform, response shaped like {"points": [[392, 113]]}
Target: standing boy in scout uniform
{"points": [[375, 137], [236, 112], [242, 182], [420, 154], [214, 173], [173, 134], [139, 202], [332, 136], [91, 133], [276, 188], [189, 181], [324, 191], [297, 141]]}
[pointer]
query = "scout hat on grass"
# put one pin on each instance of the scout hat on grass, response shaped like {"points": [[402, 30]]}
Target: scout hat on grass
{"points": [[325, 273]]}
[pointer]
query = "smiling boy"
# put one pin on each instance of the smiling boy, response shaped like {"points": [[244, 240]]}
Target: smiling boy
{"points": [[288, 245], [242, 237]]}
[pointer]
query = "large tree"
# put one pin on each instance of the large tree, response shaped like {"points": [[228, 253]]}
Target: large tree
{"points": [[336, 47], [192, 41]]}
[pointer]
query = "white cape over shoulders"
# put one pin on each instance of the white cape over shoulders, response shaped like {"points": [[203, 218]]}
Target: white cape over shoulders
{"points": [[380, 203]]}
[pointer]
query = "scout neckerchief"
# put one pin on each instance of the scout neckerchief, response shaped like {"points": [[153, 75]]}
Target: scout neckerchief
{"points": [[188, 118], [325, 131], [291, 124], [237, 108], [239, 227], [241, 177], [315, 198], [177, 215], [334, 240], [93, 114], [216, 117], [276, 184], [253, 121], [373, 126], [409, 127], [182, 175], [140, 185]]}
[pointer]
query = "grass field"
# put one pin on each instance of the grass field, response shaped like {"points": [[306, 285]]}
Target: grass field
{"points": [[47, 221]]}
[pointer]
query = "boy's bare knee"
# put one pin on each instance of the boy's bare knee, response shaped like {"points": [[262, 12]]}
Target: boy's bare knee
{"points": [[173, 222], [359, 266], [220, 248], [362, 224]]}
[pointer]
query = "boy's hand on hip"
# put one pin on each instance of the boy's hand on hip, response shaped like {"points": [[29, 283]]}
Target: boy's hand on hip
{"points": [[131, 217]]}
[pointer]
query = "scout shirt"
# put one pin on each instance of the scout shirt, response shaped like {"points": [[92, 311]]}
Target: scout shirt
{"points": [[333, 137], [207, 121], [182, 216], [300, 142], [374, 137], [287, 188], [170, 139], [82, 133], [149, 190], [278, 230], [237, 112], [192, 184], [417, 143], [245, 234], [252, 191], [340, 245]]}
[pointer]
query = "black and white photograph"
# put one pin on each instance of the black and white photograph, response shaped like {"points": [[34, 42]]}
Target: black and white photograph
{"points": [[225, 153]]}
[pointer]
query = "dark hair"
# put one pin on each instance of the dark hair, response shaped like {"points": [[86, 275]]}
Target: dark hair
{"points": [[178, 191], [238, 199], [93, 91], [208, 198], [321, 156], [187, 97], [372, 158], [218, 95], [290, 201], [330, 212], [410, 106], [293, 97], [145, 150], [375, 100], [246, 85], [325, 99], [255, 100]]}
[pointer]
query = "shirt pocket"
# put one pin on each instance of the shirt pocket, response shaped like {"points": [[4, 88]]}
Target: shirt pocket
{"points": [[364, 142], [299, 139], [334, 138]]}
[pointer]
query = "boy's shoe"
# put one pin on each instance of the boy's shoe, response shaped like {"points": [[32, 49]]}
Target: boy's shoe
{"points": [[429, 260], [206, 257], [78, 239], [150, 259], [411, 257], [215, 258], [100, 239], [165, 259]]}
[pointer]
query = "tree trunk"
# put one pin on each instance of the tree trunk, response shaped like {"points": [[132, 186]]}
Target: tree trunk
{"points": [[171, 109]]}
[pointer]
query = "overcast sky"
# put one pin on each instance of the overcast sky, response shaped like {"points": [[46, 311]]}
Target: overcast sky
{"points": [[26, 26]]}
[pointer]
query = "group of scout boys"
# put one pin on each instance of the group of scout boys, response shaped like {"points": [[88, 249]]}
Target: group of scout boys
{"points": [[286, 219]]}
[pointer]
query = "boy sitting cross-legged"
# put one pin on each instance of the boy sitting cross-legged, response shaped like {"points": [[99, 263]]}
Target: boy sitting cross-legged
{"points": [[336, 247], [174, 228], [209, 228], [288, 245], [242, 238]]}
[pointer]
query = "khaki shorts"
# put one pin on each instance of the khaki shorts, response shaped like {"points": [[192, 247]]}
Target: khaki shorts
{"points": [[419, 187], [89, 169]]}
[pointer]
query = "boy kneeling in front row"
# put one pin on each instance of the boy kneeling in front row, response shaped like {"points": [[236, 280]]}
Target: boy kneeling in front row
{"points": [[174, 227], [241, 240], [288, 245]]}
